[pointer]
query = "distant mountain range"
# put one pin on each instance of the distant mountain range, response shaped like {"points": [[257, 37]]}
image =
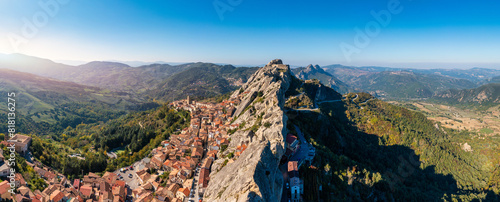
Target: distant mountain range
{"points": [[393, 83], [165, 82], [143, 82], [474, 74], [108, 75], [407, 85], [396, 83]]}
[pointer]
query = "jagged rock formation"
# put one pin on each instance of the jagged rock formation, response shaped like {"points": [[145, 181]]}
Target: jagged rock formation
{"points": [[255, 176], [316, 72], [310, 69]]}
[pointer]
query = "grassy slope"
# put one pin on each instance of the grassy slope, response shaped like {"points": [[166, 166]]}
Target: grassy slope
{"points": [[47, 105]]}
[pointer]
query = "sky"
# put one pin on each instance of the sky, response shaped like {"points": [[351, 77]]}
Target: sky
{"points": [[396, 33]]}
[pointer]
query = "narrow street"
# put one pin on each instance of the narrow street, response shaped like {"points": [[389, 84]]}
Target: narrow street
{"points": [[195, 197]]}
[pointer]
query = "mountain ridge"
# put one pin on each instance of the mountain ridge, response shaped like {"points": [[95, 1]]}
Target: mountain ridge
{"points": [[402, 84], [255, 176], [483, 96], [144, 82]]}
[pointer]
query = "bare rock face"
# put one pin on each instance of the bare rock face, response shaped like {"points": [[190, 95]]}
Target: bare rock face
{"points": [[254, 175], [275, 62]]}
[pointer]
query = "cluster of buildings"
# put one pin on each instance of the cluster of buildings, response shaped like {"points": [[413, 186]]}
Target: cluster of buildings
{"points": [[178, 169], [175, 164], [183, 162], [108, 188], [91, 188]]}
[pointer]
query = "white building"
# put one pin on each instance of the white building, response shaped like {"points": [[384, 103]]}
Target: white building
{"points": [[295, 188]]}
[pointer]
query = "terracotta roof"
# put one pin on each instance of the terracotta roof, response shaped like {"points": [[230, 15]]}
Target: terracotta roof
{"points": [[25, 191], [293, 166], [204, 177], [167, 163], [176, 200], [56, 196], [174, 187], [19, 178], [110, 177], [106, 196], [185, 191], [207, 163], [119, 190], [86, 190], [4, 187], [120, 183], [49, 175], [104, 186], [20, 197]]}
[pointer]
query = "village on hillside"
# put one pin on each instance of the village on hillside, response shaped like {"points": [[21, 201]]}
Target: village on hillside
{"points": [[177, 170]]}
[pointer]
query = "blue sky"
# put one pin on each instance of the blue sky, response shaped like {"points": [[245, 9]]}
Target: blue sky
{"points": [[422, 34]]}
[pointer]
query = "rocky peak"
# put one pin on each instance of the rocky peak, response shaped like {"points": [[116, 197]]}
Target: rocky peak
{"points": [[310, 70], [313, 68], [254, 175], [275, 62], [316, 72]]}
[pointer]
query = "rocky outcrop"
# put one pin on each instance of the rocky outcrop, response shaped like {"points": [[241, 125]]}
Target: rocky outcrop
{"points": [[255, 176], [316, 72], [311, 70]]}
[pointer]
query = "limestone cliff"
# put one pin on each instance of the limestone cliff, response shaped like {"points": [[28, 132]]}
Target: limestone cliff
{"points": [[254, 175]]}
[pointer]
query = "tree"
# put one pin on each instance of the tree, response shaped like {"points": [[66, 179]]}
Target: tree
{"points": [[327, 168]]}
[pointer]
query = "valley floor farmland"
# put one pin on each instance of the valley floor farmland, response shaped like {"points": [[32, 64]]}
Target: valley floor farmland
{"points": [[485, 123]]}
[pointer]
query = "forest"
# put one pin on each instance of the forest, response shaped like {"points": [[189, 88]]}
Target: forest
{"points": [[138, 133], [381, 151]]}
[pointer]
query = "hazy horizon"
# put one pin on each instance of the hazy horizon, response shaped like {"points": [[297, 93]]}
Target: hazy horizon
{"points": [[401, 65], [423, 65]]}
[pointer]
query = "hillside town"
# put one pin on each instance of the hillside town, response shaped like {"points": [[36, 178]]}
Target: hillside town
{"points": [[177, 170], [167, 176], [183, 162]]}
